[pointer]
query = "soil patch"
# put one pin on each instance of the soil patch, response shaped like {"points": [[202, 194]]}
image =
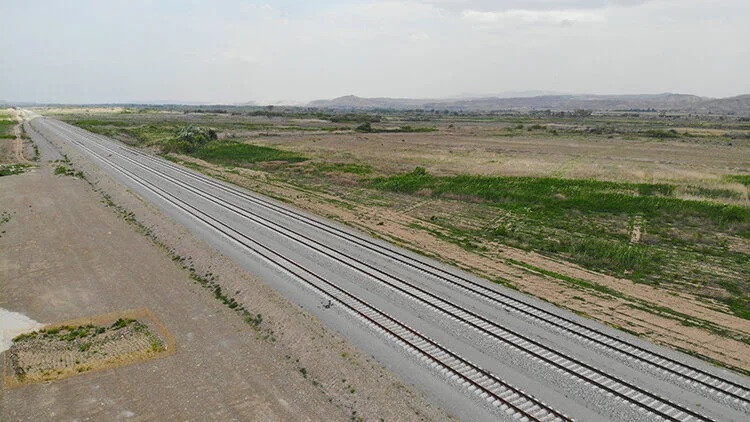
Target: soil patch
{"points": [[74, 347]]}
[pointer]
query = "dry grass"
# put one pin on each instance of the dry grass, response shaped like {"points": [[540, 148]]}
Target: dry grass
{"points": [[475, 151]]}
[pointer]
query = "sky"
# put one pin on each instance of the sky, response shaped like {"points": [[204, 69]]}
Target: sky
{"points": [[294, 51]]}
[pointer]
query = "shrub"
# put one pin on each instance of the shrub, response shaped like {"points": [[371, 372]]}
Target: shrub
{"points": [[661, 134], [11, 169], [196, 135], [122, 323], [365, 127], [189, 139]]}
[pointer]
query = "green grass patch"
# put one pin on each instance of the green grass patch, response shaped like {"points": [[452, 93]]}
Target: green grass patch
{"points": [[617, 256], [144, 134], [661, 134], [367, 127], [61, 169], [738, 178], [240, 154], [712, 193], [96, 122], [590, 222], [740, 306], [555, 195], [6, 129]]}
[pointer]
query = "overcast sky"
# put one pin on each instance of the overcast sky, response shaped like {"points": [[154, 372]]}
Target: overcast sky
{"points": [[297, 50]]}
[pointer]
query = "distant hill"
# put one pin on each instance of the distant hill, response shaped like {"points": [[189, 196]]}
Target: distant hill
{"points": [[354, 102], [738, 105], [662, 102]]}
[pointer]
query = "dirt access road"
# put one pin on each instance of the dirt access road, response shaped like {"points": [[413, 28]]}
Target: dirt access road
{"points": [[66, 255]]}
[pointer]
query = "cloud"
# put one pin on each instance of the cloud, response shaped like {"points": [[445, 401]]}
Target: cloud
{"points": [[419, 36], [541, 5], [533, 16], [391, 10], [248, 50]]}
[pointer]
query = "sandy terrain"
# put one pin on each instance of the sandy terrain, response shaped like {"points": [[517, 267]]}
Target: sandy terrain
{"points": [[66, 255]]}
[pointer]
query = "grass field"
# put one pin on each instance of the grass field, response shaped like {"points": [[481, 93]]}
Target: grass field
{"points": [[6, 125], [591, 223], [661, 202], [240, 154]]}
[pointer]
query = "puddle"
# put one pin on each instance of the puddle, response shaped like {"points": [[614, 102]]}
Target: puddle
{"points": [[13, 324]]}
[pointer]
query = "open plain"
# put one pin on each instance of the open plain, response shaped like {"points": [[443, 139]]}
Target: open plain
{"points": [[581, 212], [586, 243], [652, 264]]}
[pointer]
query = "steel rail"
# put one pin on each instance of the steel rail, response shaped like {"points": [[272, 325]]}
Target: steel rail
{"points": [[367, 314], [466, 319]]}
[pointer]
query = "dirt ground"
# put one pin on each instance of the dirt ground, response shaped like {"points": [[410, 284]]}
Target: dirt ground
{"points": [[66, 255], [478, 149]]}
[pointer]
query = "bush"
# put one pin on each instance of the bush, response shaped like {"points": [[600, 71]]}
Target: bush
{"points": [[189, 139], [11, 169], [365, 127], [662, 134], [122, 323]]}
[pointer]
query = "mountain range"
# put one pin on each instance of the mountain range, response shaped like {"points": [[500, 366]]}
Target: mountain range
{"points": [[522, 101], [739, 105]]}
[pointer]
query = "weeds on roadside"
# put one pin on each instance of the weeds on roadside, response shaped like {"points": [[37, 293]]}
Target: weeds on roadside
{"points": [[64, 170], [12, 169]]}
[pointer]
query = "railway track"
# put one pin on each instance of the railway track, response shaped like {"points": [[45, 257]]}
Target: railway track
{"points": [[481, 382], [627, 351], [633, 395], [585, 373]]}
